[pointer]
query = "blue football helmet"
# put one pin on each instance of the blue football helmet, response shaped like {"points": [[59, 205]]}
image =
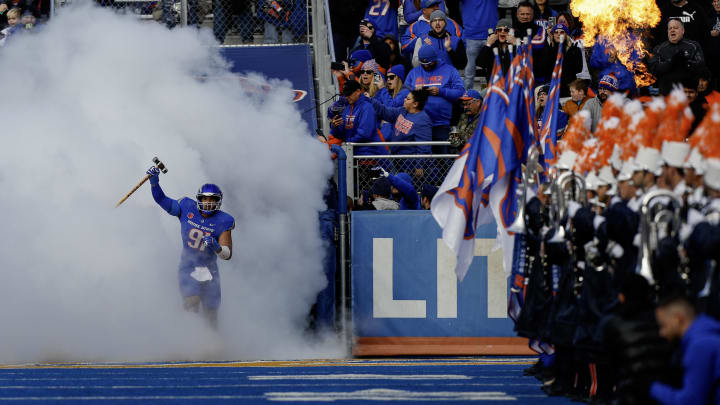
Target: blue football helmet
{"points": [[209, 190]]}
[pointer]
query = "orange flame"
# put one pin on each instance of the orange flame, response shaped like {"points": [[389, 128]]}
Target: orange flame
{"points": [[620, 22]]}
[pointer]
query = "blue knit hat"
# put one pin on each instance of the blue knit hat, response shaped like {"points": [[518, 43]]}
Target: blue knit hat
{"points": [[361, 55], [562, 27], [427, 54], [608, 82], [399, 71]]}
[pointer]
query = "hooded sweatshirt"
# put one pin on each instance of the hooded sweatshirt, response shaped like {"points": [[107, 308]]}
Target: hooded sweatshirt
{"points": [[438, 108], [407, 128], [700, 347], [360, 125]]}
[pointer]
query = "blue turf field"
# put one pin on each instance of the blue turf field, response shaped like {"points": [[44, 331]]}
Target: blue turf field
{"points": [[391, 380]]}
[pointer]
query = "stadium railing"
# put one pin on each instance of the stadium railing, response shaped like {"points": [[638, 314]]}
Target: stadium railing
{"points": [[249, 22], [423, 169]]}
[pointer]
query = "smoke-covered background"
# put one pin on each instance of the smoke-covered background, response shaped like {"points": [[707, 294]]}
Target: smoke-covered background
{"points": [[85, 104]]}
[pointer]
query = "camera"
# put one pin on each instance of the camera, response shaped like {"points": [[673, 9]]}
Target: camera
{"points": [[337, 66]]}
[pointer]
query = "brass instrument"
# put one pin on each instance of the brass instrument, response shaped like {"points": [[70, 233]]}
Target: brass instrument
{"points": [[529, 178], [656, 223]]}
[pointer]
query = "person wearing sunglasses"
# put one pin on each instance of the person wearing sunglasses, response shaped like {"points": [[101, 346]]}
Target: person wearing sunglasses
{"points": [[446, 36], [499, 40], [370, 78], [392, 93], [572, 63], [370, 41]]}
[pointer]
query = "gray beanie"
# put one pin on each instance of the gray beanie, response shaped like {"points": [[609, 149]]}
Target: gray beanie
{"points": [[437, 15], [505, 22]]}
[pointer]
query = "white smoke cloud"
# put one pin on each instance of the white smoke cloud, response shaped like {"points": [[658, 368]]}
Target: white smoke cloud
{"points": [[86, 103]]}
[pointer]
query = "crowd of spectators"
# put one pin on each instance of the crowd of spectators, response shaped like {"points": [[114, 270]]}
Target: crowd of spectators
{"points": [[400, 49]]}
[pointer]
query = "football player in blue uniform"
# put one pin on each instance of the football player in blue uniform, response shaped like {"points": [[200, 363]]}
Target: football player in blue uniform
{"points": [[205, 232]]}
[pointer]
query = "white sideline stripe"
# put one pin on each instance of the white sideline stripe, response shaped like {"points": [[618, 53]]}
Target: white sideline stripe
{"points": [[129, 397], [389, 395], [359, 377]]}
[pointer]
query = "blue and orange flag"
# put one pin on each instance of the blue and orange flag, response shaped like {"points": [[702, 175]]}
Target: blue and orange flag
{"points": [[549, 129], [462, 202]]}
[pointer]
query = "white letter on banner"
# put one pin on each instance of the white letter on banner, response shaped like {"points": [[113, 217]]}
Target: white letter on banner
{"points": [[447, 280], [384, 305]]}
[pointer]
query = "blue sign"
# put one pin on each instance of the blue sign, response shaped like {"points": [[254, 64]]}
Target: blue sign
{"points": [[287, 62], [404, 283]]}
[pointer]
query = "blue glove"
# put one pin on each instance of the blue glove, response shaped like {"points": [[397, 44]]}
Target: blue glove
{"points": [[211, 243], [154, 173]]}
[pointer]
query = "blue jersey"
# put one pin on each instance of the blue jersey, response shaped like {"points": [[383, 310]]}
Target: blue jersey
{"points": [[194, 227], [384, 16]]}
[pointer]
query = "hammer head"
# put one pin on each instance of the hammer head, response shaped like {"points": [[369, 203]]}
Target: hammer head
{"points": [[160, 165]]}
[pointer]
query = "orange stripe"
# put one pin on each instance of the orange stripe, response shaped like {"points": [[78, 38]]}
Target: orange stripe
{"points": [[517, 138], [593, 376], [495, 144], [382, 139]]}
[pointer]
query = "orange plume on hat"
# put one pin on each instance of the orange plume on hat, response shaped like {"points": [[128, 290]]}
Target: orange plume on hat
{"points": [[706, 137], [676, 120], [578, 131], [647, 127], [633, 115], [585, 161], [609, 133]]}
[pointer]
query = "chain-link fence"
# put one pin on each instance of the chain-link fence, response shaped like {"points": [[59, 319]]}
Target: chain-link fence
{"points": [[423, 169], [233, 22]]}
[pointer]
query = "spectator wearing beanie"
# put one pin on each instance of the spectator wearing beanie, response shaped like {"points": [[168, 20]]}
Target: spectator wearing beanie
{"points": [[392, 95], [478, 16], [448, 44], [498, 40], [572, 63], [674, 58], [419, 27], [370, 78], [378, 197], [607, 86], [394, 92], [445, 87], [413, 9]]}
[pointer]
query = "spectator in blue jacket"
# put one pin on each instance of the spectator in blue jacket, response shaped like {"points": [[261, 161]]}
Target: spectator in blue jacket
{"points": [[413, 9], [699, 337], [393, 94], [421, 27], [478, 16], [449, 44], [445, 86], [384, 15], [604, 59], [358, 122], [411, 123]]}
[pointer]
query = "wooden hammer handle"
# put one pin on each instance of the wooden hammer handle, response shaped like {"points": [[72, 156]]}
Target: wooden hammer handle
{"points": [[144, 179]]}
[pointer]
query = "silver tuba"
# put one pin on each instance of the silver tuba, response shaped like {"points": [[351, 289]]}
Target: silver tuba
{"points": [[529, 178], [659, 217]]}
